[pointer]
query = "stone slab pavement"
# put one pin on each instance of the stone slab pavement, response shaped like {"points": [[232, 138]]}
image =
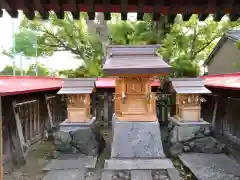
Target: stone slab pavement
{"points": [[71, 163], [141, 174], [137, 164], [211, 166], [67, 174]]}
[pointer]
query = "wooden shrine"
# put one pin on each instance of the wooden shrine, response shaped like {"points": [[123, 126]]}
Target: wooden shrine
{"points": [[78, 92], [134, 68], [188, 98]]}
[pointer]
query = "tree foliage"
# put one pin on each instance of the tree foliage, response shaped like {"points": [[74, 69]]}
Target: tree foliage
{"points": [[8, 71], [184, 44], [42, 70], [189, 43]]}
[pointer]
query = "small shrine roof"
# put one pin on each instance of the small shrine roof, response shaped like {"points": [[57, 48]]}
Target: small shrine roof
{"points": [[189, 86], [134, 60], [78, 86]]}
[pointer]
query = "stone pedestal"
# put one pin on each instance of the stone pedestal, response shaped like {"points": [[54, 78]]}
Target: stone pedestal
{"points": [[185, 131], [84, 138], [136, 140]]}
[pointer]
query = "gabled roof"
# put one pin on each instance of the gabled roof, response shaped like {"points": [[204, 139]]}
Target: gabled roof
{"points": [[230, 35], [78, 86], [189, 86], [223, 81], [13, 85], [134, 60]]}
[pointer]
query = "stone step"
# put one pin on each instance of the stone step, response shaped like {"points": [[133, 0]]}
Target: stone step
{"points": [[138, 164], [169, 174], [67, 174], [141, 175], [78, 163]]}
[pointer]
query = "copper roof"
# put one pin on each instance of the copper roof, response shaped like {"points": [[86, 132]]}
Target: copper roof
{"points": [[135, 60], [78, 86], [168, 7], [189, 86]]}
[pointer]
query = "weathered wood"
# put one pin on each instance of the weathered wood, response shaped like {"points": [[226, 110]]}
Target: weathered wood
{"points": [[79, 107], [214, 114], [18, 138], [49, 112], [105, 114], [1, 140], [134, 99]]}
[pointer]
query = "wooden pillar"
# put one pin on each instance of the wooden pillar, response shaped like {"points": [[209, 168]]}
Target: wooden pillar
{"points": [[49, 112], [105, 113], [110, 108], [18, 138], [1, 142], [94, 105]]}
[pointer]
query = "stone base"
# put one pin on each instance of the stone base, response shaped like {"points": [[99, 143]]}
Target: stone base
{"points": [[192, 137], [82, 138], [136, 139], [185, 131]]}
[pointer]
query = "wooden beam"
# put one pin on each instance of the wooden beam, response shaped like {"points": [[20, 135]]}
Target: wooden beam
{"points": [[11, 10], [75, 10], [29, 9], [187, 14], [91, 9], [40, 6], [140, 10], [107, 10], [202, 16], [218, 15], [124, 9], [234, 14], [171, 17], [18, 141], [59, 11], [156, 11], [49, 112]]}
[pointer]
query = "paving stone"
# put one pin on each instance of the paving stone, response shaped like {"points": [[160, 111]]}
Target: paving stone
{"points": [[173, 174], [116, 164], [57, 164], [90, 162], [71, 162], [141, 175], [65, 175], [160, 175], [211, 166], [107, 175]]}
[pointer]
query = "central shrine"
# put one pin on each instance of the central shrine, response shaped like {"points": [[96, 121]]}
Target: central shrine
{"points": [[136, 130], [134, 68]]}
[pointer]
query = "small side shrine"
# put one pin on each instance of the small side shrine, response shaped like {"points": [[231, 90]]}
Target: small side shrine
{"points": [[187, 121], [188, 98], [134, 67], [78, 91], [79, 133]]}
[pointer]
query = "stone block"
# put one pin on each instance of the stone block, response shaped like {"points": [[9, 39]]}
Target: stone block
{"points": [[137, 164], [141, 175], [136, 140], [185, 131], [65, 175], [82, 137]]}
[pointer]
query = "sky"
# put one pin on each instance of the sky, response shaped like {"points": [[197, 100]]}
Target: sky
{"points": [[59, 61]]}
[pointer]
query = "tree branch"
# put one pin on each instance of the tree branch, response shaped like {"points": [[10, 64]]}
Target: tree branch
{"points": [[62, 44]]}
